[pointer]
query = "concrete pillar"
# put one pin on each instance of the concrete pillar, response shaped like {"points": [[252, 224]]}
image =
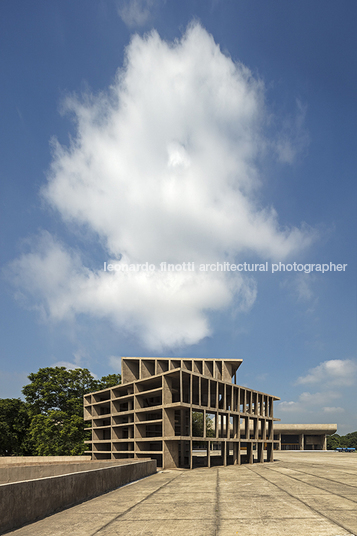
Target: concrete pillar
{"points": [[235, 461], [238, 453], [250, 452], [325, 444], [208, 454], [181, 387], [270, 452], [301, 442], [224, 452], [170, 458], [261, 452]]}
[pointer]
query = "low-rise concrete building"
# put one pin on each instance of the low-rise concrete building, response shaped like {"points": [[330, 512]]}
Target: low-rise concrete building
{"points": [[302, 436], [180, 412]]}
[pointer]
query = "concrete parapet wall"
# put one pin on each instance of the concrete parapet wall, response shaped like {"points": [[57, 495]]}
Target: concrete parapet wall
{"points": [[18, 472], [27, 501], [7, 460]]}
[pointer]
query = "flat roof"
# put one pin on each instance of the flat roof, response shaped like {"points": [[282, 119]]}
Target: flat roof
{"points": [[306, 428]]}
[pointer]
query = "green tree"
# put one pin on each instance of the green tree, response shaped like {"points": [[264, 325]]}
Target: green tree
{"points": [[57, 388], [58, 434], [55, 399], [109, 381], [351, 440], [333, 442], [14, 427]]}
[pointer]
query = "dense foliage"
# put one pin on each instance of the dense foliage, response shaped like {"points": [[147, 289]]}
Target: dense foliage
{"points": [[50, 421], [336, 441], [14, 424]]}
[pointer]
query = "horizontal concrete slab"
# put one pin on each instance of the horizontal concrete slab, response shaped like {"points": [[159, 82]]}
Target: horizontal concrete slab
{"points": [[18, 472], [25, 460]]}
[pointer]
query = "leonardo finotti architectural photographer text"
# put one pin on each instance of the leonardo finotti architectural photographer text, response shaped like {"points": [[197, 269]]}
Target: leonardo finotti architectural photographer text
{"points": [[225, 267]]}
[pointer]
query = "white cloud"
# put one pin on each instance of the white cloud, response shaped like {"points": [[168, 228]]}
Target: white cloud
{"points": [[309, 402], [332, 378], [293, 138], [77, 361], [136, 12], [339, 372], [329, 409], [162, 168], [318, 399], [303, 287]]}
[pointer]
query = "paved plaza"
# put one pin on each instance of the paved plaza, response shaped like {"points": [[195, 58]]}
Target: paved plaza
{"points": [[301, 493]]}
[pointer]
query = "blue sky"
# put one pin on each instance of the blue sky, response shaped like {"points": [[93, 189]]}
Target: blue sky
{"points": [[206, 131]]}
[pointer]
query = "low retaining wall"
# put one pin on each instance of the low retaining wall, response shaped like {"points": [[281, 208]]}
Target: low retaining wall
{"points": [[17, 472], [27, 501], [7, 460]]}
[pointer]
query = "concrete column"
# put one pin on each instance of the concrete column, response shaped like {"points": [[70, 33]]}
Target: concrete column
{"points": [[238, 453], [301, 442], [261, 452], [181, 387], [270, 452], [191, 457], [325, 444], [224, 452], [250, 452], [208, 454]]}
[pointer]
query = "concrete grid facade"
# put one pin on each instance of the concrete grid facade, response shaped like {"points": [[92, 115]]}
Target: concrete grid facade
{"points": [[181, 412]]}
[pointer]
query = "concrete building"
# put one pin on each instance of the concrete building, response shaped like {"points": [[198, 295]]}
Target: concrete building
{"points": [[302, 436], [182, 413]]}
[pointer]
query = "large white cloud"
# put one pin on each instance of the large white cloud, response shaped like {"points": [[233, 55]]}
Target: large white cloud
{"points": [[163, 167], [340, 372]]}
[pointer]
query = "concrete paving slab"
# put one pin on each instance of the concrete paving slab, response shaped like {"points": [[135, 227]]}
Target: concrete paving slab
{"points": [[281, 527], [182, 509], [198, 527], [67, 522], [304, 493]]}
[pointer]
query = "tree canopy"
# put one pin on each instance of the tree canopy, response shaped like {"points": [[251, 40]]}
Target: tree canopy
{"points": [[57, 388], [336, 441], [50, 422], [14, 423]]}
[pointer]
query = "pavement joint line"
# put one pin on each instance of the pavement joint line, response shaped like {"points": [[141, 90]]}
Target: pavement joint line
{"points": [[314, 485], [135, 505], [326, 478], [217, 512], [303, 502]]}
